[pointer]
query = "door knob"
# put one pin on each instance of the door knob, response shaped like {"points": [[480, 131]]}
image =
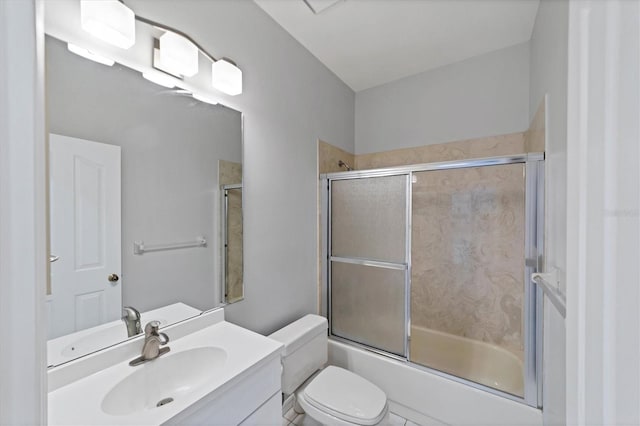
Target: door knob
{"points": [[113, 277]]}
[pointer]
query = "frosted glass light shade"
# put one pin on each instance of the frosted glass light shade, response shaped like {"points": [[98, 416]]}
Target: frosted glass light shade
{"points": [[110, 21], [226, 77], [89, 55], [178, 55]]}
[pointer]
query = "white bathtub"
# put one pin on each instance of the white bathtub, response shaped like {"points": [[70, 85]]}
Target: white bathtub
{"points": [[470, 359], [430, 399]]}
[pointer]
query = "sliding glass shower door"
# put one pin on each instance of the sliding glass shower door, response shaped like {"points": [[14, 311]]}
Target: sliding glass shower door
{"points": [[431, 264], [368, 261], [468, 265]]}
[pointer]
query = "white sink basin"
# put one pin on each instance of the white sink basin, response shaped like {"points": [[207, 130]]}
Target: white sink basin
{"points": [[164, 380]]}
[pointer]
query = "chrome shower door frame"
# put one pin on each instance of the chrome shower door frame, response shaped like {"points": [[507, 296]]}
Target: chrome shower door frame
{"points": [[534, 249], [328, 259], [224, 195]]}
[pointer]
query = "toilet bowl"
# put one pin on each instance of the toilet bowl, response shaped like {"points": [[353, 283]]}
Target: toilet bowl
{"points": [[334, 396]]}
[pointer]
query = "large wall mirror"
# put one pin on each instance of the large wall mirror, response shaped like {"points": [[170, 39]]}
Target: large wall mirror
{"points": [[145, 204]]}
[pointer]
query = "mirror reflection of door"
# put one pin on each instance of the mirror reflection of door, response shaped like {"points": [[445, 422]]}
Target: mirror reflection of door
{"points": [[86, 289]]}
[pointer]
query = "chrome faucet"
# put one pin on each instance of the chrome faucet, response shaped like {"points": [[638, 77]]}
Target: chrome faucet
{"points": [[131, 318], [152, 341]]}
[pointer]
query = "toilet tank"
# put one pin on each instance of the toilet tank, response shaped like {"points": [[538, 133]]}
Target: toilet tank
{"points": [[305, 350]]}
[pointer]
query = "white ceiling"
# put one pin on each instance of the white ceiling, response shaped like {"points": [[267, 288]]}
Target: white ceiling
{"points": [[371, 42]]}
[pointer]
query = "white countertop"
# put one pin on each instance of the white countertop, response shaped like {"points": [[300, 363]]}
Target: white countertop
{"points": [[79, 402]]}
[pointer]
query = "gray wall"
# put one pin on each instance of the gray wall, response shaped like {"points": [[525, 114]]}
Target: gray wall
{"points": [[483, 96], [549, 58], [290, 101], [170, 151]]}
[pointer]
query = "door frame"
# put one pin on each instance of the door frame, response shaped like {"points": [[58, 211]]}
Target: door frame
{"points": [[23, 214]]}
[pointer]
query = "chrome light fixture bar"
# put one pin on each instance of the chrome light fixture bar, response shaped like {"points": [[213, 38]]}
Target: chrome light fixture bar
{"points": [[178, 54], [226, 76]]}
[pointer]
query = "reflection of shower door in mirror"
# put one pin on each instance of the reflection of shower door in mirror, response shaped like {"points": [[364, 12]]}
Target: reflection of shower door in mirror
{"points": [[368, 261], [86, 289], [232, 230]]}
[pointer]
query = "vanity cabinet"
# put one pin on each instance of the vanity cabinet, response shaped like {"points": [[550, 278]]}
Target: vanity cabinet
{"points": [[266, 414], [255, 399], [215, 374]]}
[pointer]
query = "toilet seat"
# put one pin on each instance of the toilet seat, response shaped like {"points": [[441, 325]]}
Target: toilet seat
{"points": [[338, 394]]}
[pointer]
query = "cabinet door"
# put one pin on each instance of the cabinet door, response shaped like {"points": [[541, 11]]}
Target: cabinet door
{"points": [[269, 414], [238, 403]]}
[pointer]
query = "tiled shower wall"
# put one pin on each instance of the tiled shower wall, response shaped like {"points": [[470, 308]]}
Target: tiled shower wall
{"points": [[329, 156], [489, 307], [493, 146]]}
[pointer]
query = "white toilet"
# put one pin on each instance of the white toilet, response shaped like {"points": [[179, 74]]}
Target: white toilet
{"points": [[334, 396]]}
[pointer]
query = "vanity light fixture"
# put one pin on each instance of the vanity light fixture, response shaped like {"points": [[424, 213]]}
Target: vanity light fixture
{"points": [[160, 78], [205, 98], [110, 21], [89, 55], [178, 55], [114, 23], [226, 77]]}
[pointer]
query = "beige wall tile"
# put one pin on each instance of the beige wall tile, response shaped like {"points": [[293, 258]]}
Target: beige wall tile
{"points": [[229, 173], [328, 157], [472, 148]]}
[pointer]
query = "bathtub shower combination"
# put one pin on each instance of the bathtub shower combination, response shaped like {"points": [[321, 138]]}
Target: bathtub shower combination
{"points": [[431, 264]]}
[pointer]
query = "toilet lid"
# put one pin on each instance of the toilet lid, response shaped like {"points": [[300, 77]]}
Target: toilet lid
{"points": [[347, 396]]}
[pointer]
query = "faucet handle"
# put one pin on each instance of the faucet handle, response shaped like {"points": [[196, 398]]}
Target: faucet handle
{"points": [[151, 328], [164, 339]]}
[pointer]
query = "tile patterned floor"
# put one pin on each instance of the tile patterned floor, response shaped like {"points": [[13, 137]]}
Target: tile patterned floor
{"points": [[294, 419]]}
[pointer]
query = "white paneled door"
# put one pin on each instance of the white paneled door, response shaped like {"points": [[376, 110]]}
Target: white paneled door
{"points": [[86, 289]]}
